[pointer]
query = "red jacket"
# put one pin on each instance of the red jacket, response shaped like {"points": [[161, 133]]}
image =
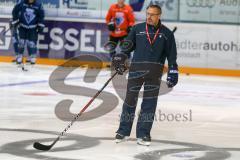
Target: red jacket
{"points": [[122, 18]]}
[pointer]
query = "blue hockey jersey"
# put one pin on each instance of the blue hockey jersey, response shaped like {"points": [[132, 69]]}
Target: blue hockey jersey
{"points": [[28, 15]]}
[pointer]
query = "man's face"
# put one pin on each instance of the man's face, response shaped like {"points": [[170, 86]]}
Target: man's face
{"points": [[31, 1], [121, 2], [153, 16]]}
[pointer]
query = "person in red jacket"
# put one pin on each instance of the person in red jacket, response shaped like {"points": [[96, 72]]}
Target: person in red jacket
{"points": [[120, 19]]}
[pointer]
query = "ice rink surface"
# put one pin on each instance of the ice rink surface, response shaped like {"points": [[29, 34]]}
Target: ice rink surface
{"points": [[198, 120]]}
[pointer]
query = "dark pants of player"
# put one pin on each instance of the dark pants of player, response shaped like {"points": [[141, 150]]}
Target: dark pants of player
{"points": [[116, 40], [148, 106], [29, 37]]}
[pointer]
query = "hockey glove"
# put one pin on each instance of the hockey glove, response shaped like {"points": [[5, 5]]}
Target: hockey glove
{"points": [[119, 63], [13, 24], [129, 29], [111, 26], [172, 76]]}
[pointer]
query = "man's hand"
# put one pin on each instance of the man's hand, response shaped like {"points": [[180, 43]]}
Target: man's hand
{"points": [[172, 76], [119, 62], [13, 24], [129, 29]]}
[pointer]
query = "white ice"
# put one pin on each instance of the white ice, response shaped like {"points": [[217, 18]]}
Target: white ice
{"points": [[211, 131]]}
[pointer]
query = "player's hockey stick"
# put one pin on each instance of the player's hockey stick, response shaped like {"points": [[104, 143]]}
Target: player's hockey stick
{"points": [[43, 147], [174, 29]]}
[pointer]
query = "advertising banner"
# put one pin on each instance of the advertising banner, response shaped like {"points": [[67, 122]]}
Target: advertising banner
{"points": [[95, 8], [169, 8], [6, 6], [223, 11], [210, 10], [62, 40], [208, 46], [98, 9], [200, 46], [51, 7]]}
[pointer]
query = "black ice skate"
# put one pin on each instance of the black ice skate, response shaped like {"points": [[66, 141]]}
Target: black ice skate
{"points": [[120, 138]]}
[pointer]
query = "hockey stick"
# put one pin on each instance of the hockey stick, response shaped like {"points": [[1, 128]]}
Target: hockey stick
{"points": [[43, 147], [174, 29]]}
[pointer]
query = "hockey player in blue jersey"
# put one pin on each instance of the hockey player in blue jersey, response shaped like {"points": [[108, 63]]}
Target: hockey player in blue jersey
{"points": [[14, 32], [28, 16]]}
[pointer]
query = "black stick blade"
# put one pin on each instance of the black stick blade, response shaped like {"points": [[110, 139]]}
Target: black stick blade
{"points": [[24, 69], [41, 147]]}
